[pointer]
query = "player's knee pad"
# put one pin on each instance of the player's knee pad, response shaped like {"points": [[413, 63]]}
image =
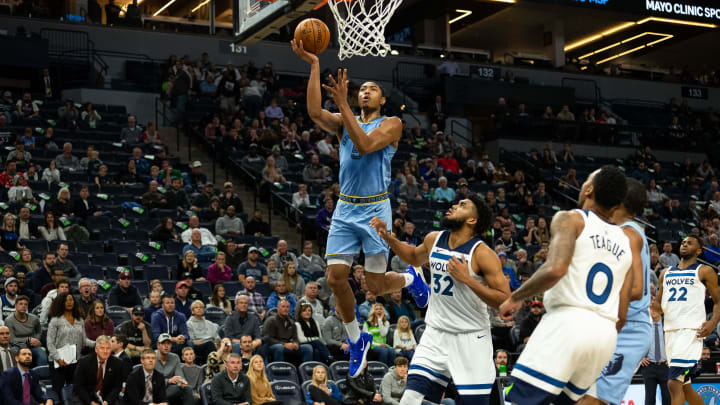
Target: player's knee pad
{"points": [[410, 397], [376, 263]]}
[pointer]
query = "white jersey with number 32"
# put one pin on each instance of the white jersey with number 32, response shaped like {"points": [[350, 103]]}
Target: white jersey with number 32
{"points": [[601, 259]]}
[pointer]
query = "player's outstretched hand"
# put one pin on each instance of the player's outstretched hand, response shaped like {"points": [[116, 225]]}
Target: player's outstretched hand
{"points": [[509, 308], [339, 88], [706, 329], [380, 226], [308, 57], [459, 269]]}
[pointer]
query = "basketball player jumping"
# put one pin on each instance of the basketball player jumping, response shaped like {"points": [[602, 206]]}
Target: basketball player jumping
{"points": [[633, 341], [367, 144], [681, 297], [467, 276], [585, 275]]}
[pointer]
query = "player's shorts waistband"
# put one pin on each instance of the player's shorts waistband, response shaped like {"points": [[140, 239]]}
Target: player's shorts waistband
{"points": [[364, 200]]}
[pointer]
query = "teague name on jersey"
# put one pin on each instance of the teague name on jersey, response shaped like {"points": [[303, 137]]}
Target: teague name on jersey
{"points": [[600, 242]]}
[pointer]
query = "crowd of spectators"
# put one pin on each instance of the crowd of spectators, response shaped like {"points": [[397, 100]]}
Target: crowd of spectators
{"points": [[237, 303]]}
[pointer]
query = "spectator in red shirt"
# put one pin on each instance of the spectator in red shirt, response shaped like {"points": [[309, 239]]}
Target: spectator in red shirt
{"points": [[449, 163], [7, 178]]}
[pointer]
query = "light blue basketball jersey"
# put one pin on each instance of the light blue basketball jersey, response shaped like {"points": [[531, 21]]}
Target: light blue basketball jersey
{"points": [[639, 310], [364, 175]]}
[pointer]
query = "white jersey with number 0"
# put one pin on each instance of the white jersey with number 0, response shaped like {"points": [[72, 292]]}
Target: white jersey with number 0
{"points": [[601, 259], [683, 298]]}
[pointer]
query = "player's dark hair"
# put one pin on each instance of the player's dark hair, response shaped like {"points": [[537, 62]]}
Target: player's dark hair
{"points": [[636, 197], [483, 214], [379, 86], [697, 238], [610, 187]]}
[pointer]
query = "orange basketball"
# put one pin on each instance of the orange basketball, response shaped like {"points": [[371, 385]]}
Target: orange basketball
{"points": [[314, 34]]}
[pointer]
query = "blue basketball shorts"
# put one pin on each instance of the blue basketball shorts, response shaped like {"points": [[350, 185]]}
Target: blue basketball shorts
{"points": [[350, 229], [633, 343]]}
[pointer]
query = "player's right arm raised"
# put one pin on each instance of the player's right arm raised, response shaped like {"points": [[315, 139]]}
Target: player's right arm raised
{"points": [[328, 121], [412, 255]]}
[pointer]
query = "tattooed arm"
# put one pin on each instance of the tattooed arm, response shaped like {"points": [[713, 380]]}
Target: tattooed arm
{"points": [[565, 228]]}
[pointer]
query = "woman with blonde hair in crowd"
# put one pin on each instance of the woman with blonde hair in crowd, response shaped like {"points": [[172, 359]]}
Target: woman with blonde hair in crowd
{"points": [[377, 325], [259, 384], [9, 239], [319, 391], [26, 261], [155, 286], [403, 338]]}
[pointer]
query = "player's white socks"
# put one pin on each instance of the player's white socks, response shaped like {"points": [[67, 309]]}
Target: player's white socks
{"points": [[353, 330], [408, 279]]}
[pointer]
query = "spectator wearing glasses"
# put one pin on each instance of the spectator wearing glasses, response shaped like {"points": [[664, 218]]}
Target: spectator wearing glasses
{"points": [[85, 297], [145, 385]]}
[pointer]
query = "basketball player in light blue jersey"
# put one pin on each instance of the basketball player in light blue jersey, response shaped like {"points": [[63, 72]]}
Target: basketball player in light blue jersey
{"points": [[467, 277], [633, 341], [367, 145]]}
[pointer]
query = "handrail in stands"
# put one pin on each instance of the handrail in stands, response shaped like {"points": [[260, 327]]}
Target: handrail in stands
{"points": [[453, 123]]}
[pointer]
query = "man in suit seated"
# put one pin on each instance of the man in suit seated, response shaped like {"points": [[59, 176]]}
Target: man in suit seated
{"points": [[145, 386], [98, 373], [19, 386], [117, 347]]}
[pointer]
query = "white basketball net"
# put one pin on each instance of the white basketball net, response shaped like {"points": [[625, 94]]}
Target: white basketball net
{"points": [[361, 30]]}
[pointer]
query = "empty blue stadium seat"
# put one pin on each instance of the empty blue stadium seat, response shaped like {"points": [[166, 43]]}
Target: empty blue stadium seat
{"points": [[281, 370], [288, 392]]}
